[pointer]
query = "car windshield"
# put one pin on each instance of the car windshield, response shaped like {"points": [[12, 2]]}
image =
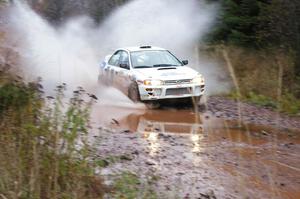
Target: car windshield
{"points": [[153, 58]]}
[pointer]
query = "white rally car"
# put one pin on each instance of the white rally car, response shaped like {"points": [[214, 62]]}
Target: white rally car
{"points": [[151, 74]]}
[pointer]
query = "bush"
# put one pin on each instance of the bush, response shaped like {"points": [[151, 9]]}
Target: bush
{"points": [[43, 147], [290, 104], [261, 100], [260, 79]]}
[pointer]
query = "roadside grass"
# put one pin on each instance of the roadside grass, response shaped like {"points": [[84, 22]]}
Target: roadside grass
{"points": [[288, 103], [129, 186], [105, 162], [44, 151], [264, 77], [256, 99]]}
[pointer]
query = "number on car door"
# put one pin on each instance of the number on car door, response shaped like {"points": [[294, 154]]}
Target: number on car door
{"points": [[124, 71], [113, 67]]}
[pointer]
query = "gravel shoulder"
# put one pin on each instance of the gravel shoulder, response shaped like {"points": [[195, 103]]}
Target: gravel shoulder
{"points": [[181, 166], [228, 109], [221, 162]]}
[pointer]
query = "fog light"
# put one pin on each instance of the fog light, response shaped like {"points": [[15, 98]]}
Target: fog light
{"points": [[197, 90], [157, 92]]}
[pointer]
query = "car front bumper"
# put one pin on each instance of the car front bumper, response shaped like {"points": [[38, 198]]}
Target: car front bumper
{"points": [[170, 91]]}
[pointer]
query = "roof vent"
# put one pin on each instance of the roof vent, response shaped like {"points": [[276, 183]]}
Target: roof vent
{"points": [[145, 47]]}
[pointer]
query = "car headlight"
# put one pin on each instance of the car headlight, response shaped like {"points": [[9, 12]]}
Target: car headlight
{"points": [[153, 82], [198, 80]]}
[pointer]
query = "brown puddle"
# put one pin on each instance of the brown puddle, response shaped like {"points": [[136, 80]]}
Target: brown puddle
{"points": [[260, 157]]}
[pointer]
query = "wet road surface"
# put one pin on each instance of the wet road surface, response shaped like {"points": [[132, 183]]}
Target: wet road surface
{"points": [[200, 153]]}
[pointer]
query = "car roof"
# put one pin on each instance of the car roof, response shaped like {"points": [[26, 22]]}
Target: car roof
{"points": [[141, 48]]}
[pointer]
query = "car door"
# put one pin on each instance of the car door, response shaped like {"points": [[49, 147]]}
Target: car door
{"points": [[124, 72], [113, 69]]}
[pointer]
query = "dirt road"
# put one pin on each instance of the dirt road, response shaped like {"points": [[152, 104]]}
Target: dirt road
{"points": [[180, 153]]}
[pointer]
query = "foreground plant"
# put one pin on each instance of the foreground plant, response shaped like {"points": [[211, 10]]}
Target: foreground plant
{"points": [[43, 147]]}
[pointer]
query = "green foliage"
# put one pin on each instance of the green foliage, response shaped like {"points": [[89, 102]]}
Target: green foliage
{"points": [[259, 78], [111, 160], [259, 23], [261, 100], [43, 144], [279, 24], [17, 96], [129, 186], [238, 22], [58, 11], [290, 104]]}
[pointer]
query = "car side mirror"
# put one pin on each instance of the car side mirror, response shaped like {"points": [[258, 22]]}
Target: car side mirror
{"points": [[185, 62], [124, 65]]}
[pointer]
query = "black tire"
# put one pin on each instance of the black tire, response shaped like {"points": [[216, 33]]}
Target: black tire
{"points": [[152, 105], [196, 100], [201, 103], [133, 93]]}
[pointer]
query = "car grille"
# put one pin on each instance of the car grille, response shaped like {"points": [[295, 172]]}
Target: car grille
{"points": [[178, 91], [180, 81]]}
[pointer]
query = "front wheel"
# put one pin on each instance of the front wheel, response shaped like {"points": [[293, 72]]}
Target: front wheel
{"points": [[200, 102], [152, 105], [196, 100], [133, 92]]}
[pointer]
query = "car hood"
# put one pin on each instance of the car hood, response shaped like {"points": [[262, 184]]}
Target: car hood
{"points": [[165, 73]]}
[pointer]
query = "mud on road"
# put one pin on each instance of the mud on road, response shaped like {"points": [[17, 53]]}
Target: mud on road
{"points": [[183, 154]]}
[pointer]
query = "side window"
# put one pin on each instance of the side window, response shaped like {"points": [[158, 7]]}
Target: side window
{"points": [[124, 59], [114, 60]]}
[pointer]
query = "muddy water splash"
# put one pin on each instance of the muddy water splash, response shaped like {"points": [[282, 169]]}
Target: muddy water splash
{"points": [[72, 52], [176, 25], [56, 55]]}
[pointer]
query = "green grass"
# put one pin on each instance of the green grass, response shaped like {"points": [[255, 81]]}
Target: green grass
{"points": [[261, 100], [129, 186], [262, 74], [112, 159], [288, 103], [44, 151], [43, 144]]}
